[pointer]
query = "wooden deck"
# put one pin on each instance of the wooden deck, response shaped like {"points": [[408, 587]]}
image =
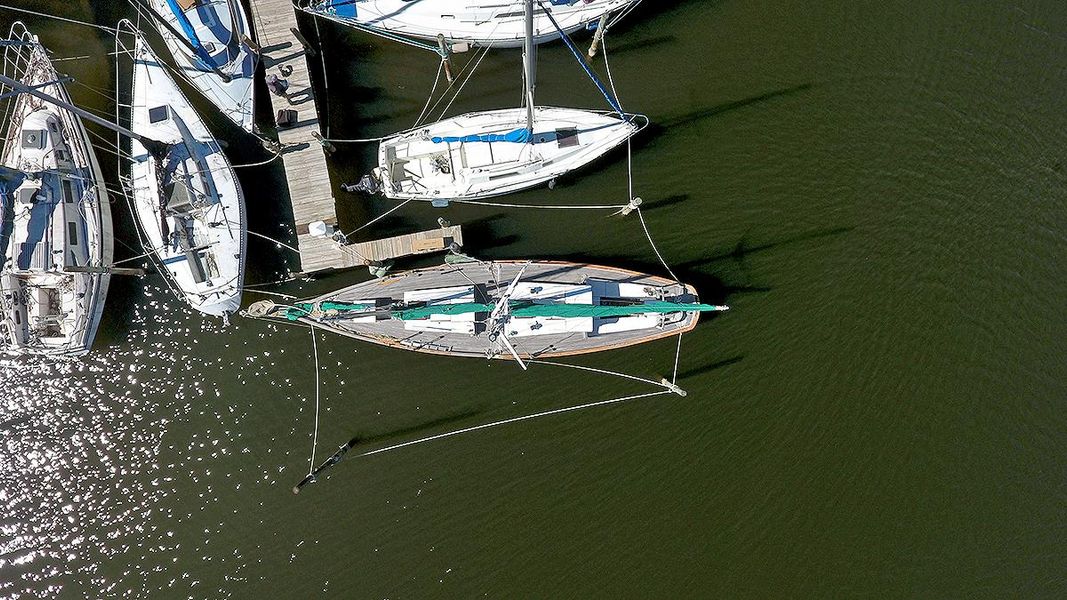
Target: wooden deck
{"points": [[310, 190], [423, 242]]}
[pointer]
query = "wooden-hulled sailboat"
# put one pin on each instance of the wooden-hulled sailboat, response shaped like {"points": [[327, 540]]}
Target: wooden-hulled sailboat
{"points": [[503, 309], [55, 231], [485, 154], [481, 22], [186, 198], [213, 48]]}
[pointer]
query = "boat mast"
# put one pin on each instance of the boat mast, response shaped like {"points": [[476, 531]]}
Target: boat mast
{"points": [[154, 147], [529, 56]]}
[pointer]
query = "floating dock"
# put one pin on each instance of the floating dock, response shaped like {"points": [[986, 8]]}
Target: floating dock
{"points": [[310, 190], [423, 242]]}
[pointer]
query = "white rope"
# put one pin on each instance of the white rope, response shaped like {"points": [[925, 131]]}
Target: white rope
{"points": [[315, 437], [267, 283], [459, 90], [436, 81], [654, 248], [378, 218], [595, 370], [512, 420], [265, 292], [607, 65], [559, 206], [277, 155], [360, 141], [270, 239], [677, 359], [126, 260]]}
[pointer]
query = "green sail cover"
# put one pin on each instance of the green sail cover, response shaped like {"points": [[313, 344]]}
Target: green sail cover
{"points": [[303, 309], [530, 309]]}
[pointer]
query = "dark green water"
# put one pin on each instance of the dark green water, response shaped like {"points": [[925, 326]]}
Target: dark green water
{"points": [[877, 188]]}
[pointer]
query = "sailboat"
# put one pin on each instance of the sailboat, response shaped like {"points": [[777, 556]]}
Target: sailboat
{"points": [[503, 309], [213, 49], [55, 231], [485, 154], [481, 22], [185, 196]]}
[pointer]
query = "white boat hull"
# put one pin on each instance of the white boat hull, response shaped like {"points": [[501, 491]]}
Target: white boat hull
{"points": [[221, 26], [189, 205], [415, 166], [481, 22], [56, 227]]}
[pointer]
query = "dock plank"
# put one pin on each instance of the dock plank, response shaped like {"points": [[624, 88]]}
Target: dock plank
{"points": [[422, 242], [308, 176]]}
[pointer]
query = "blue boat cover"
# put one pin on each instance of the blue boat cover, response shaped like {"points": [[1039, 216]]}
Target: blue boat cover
{"points": [[341, 8], [190, 33], [516, 136]]}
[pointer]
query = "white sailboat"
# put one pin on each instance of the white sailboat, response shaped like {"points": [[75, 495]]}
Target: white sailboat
{"points": [[503, 309], [186, 198], [481, 22], [212, 46], [484, 154], [55, 232]]}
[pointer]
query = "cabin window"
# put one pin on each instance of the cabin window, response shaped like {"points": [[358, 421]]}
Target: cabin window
{"points": [[157, 114], [72, 234], [18, 318], [52, 126], [68, 191], [567, 138]]}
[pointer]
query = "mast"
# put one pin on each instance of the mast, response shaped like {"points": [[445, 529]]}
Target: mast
{"points": [[529, 56], [154, 147]]}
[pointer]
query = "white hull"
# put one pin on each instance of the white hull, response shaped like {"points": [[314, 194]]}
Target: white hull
{"points": [[189, 205], [415, 166], [57, 234], [221, 27], [484, 22]]}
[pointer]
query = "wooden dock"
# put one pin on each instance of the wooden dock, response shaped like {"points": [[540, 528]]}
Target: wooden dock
{"points": [[423, 242], [310, 190]]}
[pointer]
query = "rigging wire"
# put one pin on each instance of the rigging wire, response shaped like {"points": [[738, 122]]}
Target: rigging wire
{"points": [[436, 81], [111, 30]]}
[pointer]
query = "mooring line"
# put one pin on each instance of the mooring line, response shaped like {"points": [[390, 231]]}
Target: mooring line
{"points": [[315, 436], [512, 420]]}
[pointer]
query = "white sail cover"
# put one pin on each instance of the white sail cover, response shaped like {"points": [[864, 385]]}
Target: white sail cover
{"points": [[483, 22], [55, 232], [214, 34], [188, 203]]}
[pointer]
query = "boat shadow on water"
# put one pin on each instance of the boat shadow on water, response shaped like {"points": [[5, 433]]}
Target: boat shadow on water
{"points": [[715, 366], [744, 247], [663, 125]]}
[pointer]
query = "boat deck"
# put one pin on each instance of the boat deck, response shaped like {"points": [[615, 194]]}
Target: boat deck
{"points": [[310, 189], [393, 333]]}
